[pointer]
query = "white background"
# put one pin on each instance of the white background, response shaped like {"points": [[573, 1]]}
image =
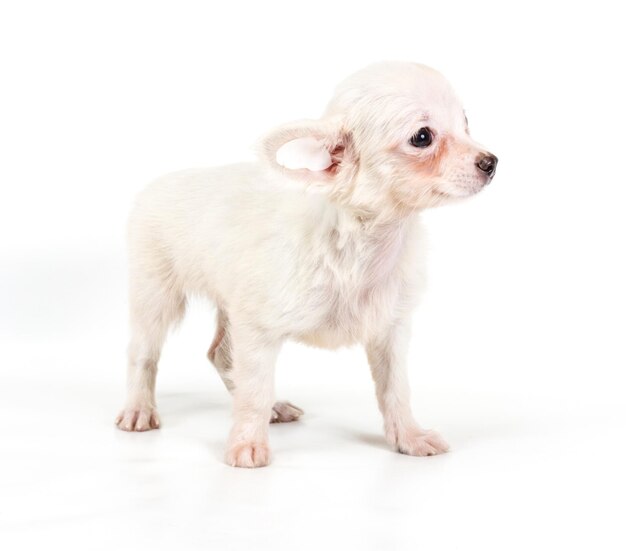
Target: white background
{"points": [[518, 353]]}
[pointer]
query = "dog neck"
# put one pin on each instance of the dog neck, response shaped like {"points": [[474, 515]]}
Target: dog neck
{"points": [[368, 248]]}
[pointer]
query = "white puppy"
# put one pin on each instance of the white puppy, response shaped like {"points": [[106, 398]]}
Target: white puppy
{"points": [[319, 242]]}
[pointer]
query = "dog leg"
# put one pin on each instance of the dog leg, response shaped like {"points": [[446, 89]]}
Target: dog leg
{"points": [[220, 355], [386, 357], [154, 307], [252, 374]]}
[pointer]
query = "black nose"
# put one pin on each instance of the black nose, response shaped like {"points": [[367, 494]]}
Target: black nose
{"points": [[487, 163]]}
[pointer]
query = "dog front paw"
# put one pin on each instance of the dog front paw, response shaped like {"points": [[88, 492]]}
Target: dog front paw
{"points": [[420, 443], [138, 419], [248, 454]]}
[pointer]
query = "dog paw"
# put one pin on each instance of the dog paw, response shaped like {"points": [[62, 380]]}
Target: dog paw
{"points": [[138, 419], [285, 412], [248, 455], [421, 443]]}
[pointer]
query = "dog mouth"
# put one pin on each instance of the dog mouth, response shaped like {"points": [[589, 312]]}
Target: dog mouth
{"points": [[466, 189], [438, 193], [456, 192]]}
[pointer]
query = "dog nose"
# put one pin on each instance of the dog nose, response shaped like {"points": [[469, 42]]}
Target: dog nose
{"points": [[487, 163]]}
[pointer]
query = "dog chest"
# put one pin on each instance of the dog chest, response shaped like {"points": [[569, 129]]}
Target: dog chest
{"points": [[354, 291]]}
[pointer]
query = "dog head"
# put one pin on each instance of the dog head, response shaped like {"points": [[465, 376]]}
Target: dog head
{"points": [[394, 139]]}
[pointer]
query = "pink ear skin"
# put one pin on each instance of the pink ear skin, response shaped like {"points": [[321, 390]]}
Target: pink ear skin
{"points": [[304, 153], [306, 149]]}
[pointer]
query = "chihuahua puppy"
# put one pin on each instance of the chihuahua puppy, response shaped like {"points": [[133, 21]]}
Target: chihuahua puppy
{"points": [[319, 242]]}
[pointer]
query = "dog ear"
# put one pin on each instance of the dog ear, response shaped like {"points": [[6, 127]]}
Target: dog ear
{"points": [[308, 150]]}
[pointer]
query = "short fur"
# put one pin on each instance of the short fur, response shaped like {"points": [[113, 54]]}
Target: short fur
{"points": [[329, 257]]}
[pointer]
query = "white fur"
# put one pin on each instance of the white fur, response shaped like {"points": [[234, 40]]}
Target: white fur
{"points": [[326, 251]]}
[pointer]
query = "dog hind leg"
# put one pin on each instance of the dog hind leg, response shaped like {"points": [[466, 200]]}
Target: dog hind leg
{"points": [[155, 305]]}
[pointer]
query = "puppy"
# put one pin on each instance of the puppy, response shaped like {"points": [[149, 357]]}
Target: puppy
{"points": [[317, 242]]}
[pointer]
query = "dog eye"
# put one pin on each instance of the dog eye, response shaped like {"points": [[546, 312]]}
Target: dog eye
{"points": [[422, 138]]}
